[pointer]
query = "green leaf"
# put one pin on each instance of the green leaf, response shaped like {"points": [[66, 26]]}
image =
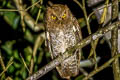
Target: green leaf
{"points": [[17, 78], [34, 11], [16, 22], [29, 58], [16, 56], [11, 69], [82, 22], [9, 5], [28, 36], [47, 54], [12, 19], [41, 16], [79, 77], [35, 59], [8, 46], [36, 68], [17, 73], [28, 51], [24, 74], [4, 3], [17, 65], [54, 77], [40, 57]]}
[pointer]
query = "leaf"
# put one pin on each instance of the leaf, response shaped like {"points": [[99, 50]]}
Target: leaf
{"points": [[28, 36], [9, 5], [47, 55], [17, 78], [2, 77], [17, 65], [82, 22], [36, 68], [41, 16], [12, 19], [24, 74], [29, 58], [34, 11], [54, 77], [17, 72], [16, 56], [11, 69], [40, 57], [79, 77], [8, 46], [103, 17]]}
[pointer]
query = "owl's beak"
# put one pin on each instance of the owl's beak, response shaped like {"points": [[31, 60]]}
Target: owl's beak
{"points": [[59, 22], [60, 19]]}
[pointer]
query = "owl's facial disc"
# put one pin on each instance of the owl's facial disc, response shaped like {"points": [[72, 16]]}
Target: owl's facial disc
{"points": [[59, 12], [61, 16]]}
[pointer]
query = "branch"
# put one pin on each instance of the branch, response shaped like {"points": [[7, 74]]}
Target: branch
{"points": [[45, 69], [101, 67], [88, 27], [38, 43], [89, 63], [115, 65], [27, 18], [82, 43]]}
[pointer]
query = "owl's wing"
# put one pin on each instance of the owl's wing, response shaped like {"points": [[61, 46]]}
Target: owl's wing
{"points": [[78, 29], [78, 34]]}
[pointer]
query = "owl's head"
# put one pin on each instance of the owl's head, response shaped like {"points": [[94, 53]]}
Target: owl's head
{"points": [[57, 12]]}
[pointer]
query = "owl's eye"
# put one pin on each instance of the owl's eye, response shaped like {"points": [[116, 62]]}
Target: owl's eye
{"points": [[53, 17], [64, 15]]}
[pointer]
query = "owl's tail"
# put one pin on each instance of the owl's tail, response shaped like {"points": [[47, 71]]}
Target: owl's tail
{"points": [[69, 67]]}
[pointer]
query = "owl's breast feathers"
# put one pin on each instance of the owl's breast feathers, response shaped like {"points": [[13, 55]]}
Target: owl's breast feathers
{"points": [[62, 40]]}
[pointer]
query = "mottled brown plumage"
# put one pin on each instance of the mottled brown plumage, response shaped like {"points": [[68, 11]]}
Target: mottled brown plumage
{"points": [[63, 32]]}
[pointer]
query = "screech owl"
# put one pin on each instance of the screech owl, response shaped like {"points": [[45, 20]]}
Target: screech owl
{"points": [[63, 32]]}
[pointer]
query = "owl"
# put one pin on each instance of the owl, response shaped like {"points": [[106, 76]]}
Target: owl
{"points": [[62, 33]]}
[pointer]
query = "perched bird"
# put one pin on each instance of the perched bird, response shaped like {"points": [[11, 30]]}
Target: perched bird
{"points": [[62, 33]]}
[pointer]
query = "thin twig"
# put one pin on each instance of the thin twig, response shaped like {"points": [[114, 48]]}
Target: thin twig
{"points": [[9, 62], [8, 78], [19, 4], [79, 4], [85, 73], [8, 65], [105, 6], [101, 67], [24, 63], [33, 5], [95, 45], [27, 18], [21, 9], [88, 25], [38, 43], [6, 68], [39, 12], [1, 62], [45, 69]]}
